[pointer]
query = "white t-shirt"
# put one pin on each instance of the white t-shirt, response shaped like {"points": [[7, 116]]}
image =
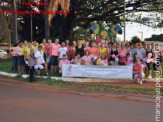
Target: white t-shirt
{"points": [[103, 41], [40, 57], [62, 50], [140, 53]]}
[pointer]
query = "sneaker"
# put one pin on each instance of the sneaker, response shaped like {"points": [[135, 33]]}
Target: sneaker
{"points": [[140, 82], [47, 73], [149, 77]]}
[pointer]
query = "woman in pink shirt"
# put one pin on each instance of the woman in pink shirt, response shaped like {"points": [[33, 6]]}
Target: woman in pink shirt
{"points": [[122, 54], [86, 46], [87, 58], [47, 51], [98, 40], [63, 61], [138, 71], [54, 55]]}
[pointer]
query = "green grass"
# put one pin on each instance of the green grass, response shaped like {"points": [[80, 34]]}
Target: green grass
{"points": [[6, 67]]}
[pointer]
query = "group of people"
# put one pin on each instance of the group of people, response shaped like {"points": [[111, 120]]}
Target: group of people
{"points": [[50, 55]]}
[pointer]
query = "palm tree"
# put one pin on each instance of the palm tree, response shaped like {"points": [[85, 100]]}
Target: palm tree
{"points": [[47, 29], [15, 30], [53, 5]]}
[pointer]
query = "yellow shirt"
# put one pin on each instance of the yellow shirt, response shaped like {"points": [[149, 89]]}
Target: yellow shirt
{"points": [[82, 41], [103, 51], [35, 47], [27, 52], [21, 50], [43, 47], [105, 62]]}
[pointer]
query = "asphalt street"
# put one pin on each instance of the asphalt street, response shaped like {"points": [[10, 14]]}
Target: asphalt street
{"points": [[28, 105]]}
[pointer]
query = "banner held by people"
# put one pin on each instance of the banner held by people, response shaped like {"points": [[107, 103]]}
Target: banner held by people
{"points": [[106, 72]]}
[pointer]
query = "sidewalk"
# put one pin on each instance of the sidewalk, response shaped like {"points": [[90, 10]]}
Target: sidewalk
{"points": [[90, 93]]}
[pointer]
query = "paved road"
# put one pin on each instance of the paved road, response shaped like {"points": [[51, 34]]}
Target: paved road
{"points": [[28, 105]]}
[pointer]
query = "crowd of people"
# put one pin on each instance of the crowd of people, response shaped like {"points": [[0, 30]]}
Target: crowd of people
{"points": [[48, 55]]}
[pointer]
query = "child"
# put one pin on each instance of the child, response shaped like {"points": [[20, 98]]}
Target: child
{"points": [[31, 64], [63, 61], [14, 59], [128, 59], [138, 71], [102, 61]]}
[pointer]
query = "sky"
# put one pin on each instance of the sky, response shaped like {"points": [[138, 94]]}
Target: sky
{"points": [[135, 29]]}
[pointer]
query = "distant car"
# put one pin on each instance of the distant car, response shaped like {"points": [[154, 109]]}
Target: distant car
{"points": [[3, 54]]}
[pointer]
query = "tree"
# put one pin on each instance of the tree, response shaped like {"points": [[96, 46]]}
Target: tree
{"points": [[84, 12], [155, 38], [15, 31], [135, 40]]}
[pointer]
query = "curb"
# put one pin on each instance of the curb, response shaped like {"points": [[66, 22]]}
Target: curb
{"points": [[79, 80], [90, 93]]}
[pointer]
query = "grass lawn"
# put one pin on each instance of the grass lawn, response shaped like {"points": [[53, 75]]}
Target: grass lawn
{"points": [[6, 66], [94, 87]]}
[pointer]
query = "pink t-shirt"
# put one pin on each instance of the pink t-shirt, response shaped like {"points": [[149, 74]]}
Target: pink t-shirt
{"points": [[66, 61], [87, 48], [68, 47], [123, 58], [87, 59], [98, 40], [55, 49], [128, 61], [47, 48]]}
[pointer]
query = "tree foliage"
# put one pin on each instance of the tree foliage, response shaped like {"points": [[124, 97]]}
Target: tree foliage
{"points": [[155, 38], [85, 12], [135, 40]]}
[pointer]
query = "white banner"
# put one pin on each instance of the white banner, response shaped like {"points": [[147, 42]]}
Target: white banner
{"points": [[106, 72]]}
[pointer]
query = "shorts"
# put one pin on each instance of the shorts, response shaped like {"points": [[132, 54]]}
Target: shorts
{"points": [[149, 66], [54, 60], [39, 67], [156, 67], [20, 60], [140, 75], [44, 57], [47, 60]]}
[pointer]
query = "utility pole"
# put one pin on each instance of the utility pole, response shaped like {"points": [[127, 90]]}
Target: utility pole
{"points": [[15, 30], [31, 28], [124, 16], [47, 28]]}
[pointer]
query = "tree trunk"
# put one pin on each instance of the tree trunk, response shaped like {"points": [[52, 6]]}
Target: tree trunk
{"points": [[47, 29], [15, 31]]}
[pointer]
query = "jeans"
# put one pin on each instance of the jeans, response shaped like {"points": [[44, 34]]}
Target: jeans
{"points": [[31, 73], [14, 64], [26, 69]]}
